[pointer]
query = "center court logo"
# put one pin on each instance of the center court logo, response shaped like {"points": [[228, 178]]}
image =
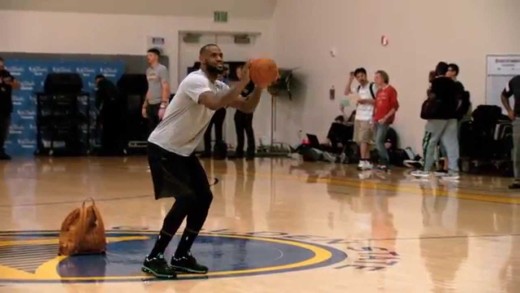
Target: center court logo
{"points": [[226, 253]]}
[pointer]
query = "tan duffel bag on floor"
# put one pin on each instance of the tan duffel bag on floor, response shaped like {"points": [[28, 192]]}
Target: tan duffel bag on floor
{"points": [[83, 232]]}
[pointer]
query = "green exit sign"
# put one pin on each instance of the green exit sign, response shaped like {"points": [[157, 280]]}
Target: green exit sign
{"points": [[220, 16]]}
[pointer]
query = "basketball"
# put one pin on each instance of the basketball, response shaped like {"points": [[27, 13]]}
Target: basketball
{"points": [[263, 72]]}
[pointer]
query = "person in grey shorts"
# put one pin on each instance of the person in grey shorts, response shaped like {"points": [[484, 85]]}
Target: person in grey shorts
{"points": [[513, 89], [158, 95]]}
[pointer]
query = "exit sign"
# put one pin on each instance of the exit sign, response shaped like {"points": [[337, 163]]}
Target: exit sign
{"points": [[220, 16]]}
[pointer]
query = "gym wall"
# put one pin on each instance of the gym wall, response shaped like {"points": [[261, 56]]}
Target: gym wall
{"points": [[112, 34], [420, 33]]}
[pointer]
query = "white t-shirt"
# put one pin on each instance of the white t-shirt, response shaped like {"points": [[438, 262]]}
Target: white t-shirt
{"points": [[185, 120], [365, 112]]}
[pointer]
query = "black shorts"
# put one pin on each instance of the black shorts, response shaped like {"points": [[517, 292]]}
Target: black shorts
{"points": [[176, 176]]}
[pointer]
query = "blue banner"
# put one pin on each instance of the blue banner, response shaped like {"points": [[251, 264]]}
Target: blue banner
{"points": [[31, 74]]}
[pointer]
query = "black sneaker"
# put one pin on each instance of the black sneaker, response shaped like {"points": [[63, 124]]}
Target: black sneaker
{"points": [[188, 264], [158, 267], [515, 185], [4, 157]]}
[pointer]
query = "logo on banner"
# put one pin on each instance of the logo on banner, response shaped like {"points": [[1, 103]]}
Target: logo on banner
{"points": [[108, 71], [27, 85], [60, 69], [17, 100], [38, 70], [26, 114], [85, 71], [16, 129], [27, 143], [16, 70]]}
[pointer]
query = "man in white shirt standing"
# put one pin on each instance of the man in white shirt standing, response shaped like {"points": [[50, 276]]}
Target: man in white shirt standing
{"points": [[176, 171], [363, 134]]}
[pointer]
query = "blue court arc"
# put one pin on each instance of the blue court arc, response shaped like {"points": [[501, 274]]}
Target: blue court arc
{"points": [[32, 257]]}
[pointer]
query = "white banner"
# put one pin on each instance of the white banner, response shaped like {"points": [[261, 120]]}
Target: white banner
{"points": [[503, 65]]}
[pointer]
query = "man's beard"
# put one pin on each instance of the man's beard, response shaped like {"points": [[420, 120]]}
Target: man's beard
{"points": [[216, 70]]}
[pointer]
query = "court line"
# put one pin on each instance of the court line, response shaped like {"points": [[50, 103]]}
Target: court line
{"points": [[75, 201]]}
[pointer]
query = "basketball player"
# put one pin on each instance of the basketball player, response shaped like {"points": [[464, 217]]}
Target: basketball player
{"points": [[176, 171]]}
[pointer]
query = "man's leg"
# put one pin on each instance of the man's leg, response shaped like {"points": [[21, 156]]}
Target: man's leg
{"points": [[170, 178], [4, 132], [248, 125], [516, 154], [380, 139], [220, 116], [207, 138], [433, 133], [239, 127], [451, 144], [153, 117], [197, 214]]}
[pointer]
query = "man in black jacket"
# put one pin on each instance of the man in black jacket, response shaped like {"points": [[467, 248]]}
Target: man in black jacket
{"points": [[442, 126]]}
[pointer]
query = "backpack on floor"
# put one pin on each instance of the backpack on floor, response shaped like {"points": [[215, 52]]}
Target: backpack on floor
{"points": [[83, 232]]}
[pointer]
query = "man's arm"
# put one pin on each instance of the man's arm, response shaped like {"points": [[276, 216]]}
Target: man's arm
{"points": [[222, 99], [348, 89], [15, 84], [248, 104], [506, 94], [165, 86]]}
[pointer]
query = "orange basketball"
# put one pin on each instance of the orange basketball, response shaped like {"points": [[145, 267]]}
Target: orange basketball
{"points": [[263, 72]]}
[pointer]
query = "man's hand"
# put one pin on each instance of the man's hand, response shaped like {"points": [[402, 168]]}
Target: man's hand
{"points": [[351, 77], [511, 115], [382, 121], [161, 113]]}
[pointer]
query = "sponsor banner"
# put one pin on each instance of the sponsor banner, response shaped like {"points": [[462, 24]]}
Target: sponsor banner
{"points": [[32, 74]]}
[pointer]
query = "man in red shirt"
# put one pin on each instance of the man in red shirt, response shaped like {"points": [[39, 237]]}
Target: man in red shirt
{"points": [[386, 105]]}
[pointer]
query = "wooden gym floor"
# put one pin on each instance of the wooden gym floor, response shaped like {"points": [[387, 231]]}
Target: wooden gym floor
{"points": [[276, 225]]}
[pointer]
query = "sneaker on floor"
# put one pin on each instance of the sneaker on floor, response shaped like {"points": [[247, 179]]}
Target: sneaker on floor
{"points": [[514, 185], [158, 267], [361, 165], [382, 168], [329, 157], [368, 166], [441, 173], [188, 264], [451, 176], [420, 174], [5, 157]]}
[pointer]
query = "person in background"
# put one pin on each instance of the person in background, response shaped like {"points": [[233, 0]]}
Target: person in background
{"points": [[7, 84], [363, 135], [386, 106], [442, 127], [463, 112], [109, 106], [158, 95], [244, 124], [513, 89]]}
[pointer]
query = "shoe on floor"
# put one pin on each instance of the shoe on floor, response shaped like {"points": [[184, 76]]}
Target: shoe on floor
{"points": [[514, 185], [158, 267], [441, 173], [420, 174], [451, 176], [188, 264]]}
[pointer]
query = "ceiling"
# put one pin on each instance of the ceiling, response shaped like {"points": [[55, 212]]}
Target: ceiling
{"points": [[258, 9]]}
